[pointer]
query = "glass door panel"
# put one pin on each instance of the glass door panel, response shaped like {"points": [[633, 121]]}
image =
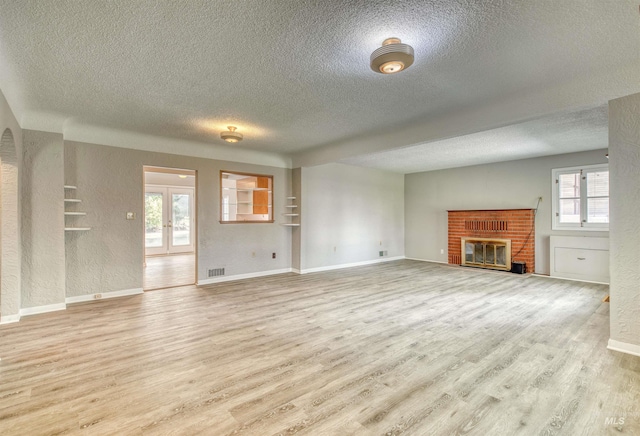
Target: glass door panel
{"points": [[478, 253], [490, 252], [501, 255], [154, 221], [468, 252], [168, 220], [181, 217]]}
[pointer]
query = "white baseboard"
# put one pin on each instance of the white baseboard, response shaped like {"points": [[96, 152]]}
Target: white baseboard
{"points": [[42, 309], [624, 347], [221, 279], [103, 295], [568, 279], [350, 265], [62, 306], [8, 319], [428, 260]]}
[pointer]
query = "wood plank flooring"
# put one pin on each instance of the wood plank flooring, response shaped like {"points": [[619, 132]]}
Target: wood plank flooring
{"points": [[404, 347], [169, 271]]}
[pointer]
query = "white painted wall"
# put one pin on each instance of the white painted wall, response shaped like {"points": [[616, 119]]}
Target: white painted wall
{"points": [[109, 257], [43, 236], [11, 214], [505, 185], [165, 179], [624, 146], [347, 212]]}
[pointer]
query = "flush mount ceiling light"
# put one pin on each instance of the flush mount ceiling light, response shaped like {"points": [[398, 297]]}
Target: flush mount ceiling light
{"points": [[392, 57], [231, 135]]}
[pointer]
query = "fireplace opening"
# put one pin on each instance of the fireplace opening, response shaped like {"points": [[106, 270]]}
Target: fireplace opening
{"points": [[486, 253]]}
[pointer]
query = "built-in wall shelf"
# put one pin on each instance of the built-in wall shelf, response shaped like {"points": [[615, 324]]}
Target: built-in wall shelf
{"points": [[73, 213], [289, 212]]}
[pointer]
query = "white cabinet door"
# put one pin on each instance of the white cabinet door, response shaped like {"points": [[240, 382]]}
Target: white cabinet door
{"points": [[580, 258]]}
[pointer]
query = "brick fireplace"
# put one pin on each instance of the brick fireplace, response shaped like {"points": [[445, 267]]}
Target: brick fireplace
{"points": [[506, 224]]}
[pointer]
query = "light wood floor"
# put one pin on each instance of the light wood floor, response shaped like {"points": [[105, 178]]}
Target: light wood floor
{"points": [[403, 347], [169, 271]]}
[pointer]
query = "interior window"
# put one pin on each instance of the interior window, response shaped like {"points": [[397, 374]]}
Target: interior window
{"points": [[246, 198]]}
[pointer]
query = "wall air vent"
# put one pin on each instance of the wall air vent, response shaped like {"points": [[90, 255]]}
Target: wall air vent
{"points": [[216, 272]]}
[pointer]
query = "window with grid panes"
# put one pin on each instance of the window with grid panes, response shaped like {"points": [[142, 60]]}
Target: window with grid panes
{"points": [[581, 198]]}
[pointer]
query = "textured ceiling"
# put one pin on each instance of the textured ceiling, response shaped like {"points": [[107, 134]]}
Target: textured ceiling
{"points": [[293, 75], [557, 134]]}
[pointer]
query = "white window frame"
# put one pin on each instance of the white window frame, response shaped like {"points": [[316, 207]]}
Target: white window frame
{"points": [[582, 225]]}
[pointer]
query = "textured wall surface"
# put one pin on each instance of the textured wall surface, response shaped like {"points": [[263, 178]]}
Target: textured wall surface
{"points": [[110, 256], [506, 185], [43, 267], [624, 147], [350, 214], [10, 218]]}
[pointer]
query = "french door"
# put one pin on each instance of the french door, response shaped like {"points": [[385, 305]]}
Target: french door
{"points": [[169, 221]]}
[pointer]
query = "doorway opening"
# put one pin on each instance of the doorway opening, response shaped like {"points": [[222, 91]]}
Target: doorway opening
{"points": [[170, 242]]}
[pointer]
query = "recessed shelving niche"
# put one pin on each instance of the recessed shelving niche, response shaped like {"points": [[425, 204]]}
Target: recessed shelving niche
{"points": [[72, 213], [291, 213]]}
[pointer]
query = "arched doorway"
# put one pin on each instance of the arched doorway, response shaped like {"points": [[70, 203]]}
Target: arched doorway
{"points": [[10, 252]]}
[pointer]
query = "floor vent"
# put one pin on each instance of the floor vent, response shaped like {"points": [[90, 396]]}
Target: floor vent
{"points": [[216, 272]]}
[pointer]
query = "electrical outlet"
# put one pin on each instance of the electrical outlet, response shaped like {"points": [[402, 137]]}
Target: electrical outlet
{"points": [[442, 251], [540, 199], [97, 296], [273, 255], [131, 215]]}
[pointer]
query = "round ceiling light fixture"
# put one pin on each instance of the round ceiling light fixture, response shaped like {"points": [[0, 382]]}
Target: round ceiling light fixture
{"points": [[392, 57], [231, 136]]}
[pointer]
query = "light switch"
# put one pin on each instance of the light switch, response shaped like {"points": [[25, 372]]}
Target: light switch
{"points": [[131, 215]]}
